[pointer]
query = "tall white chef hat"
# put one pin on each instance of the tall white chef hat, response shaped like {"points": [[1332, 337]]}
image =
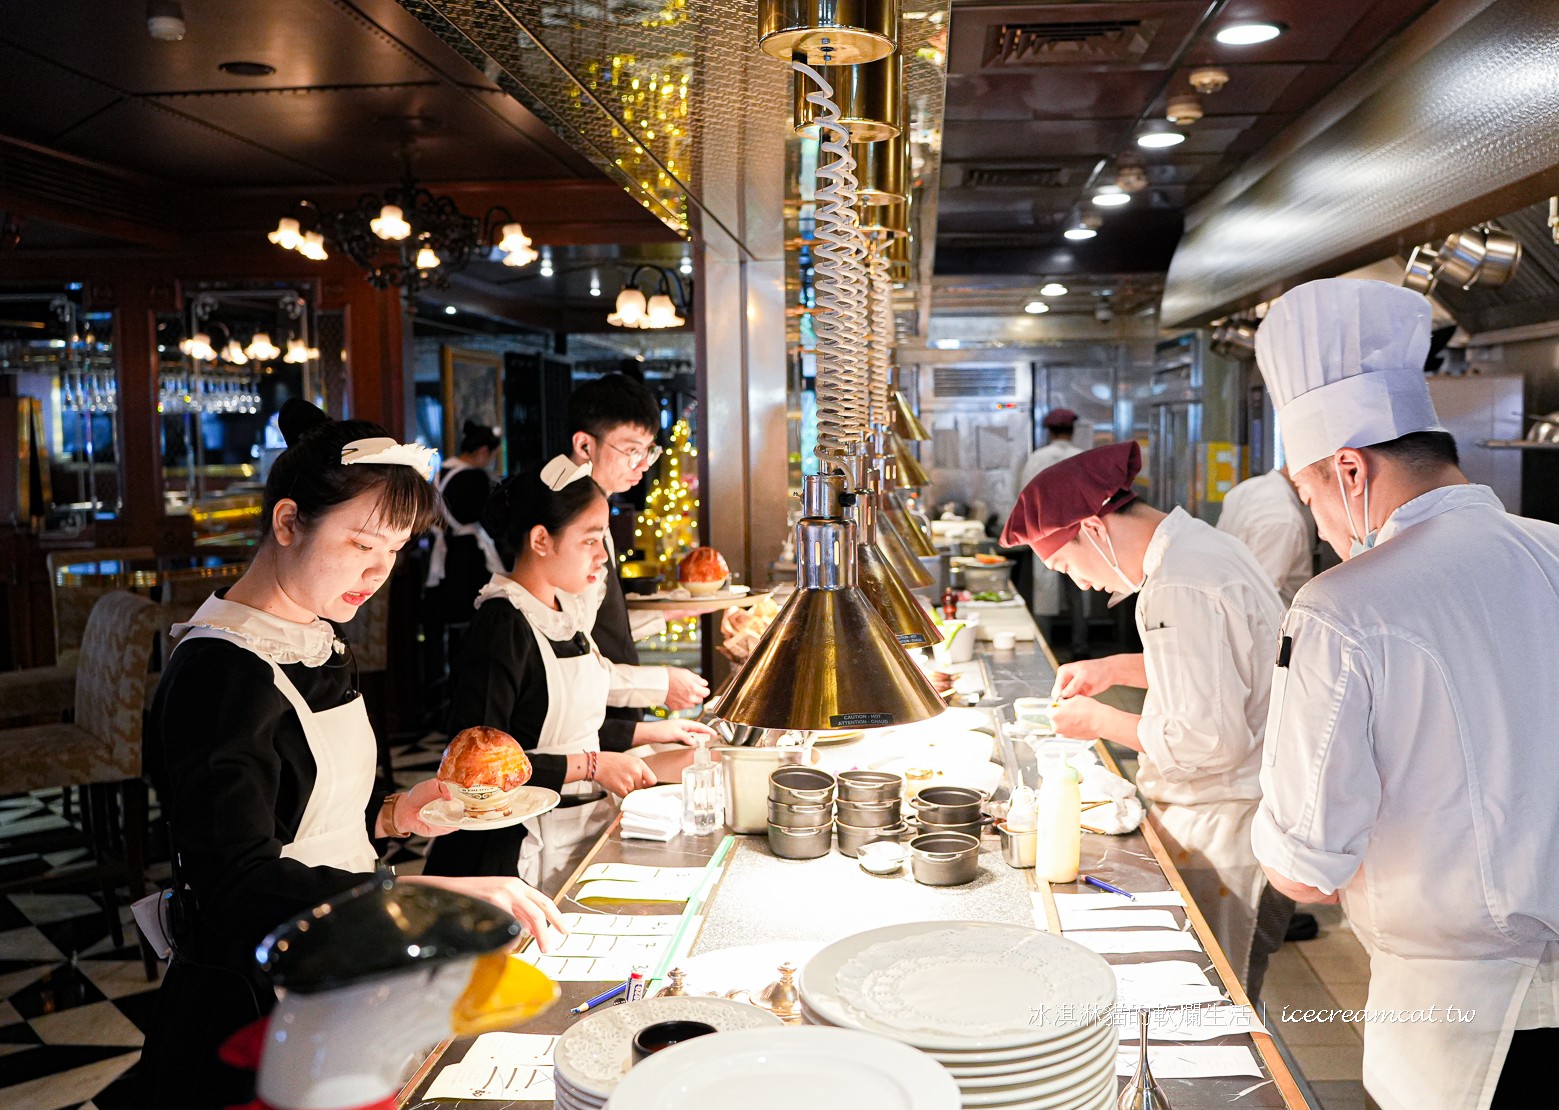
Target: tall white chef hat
{"points": [[1344, 362]]}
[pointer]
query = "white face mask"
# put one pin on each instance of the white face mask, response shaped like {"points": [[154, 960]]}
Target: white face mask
{"points": [[1116, 596], [1359, 545]]}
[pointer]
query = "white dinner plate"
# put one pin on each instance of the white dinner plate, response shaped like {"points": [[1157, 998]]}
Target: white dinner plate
{"points": [[997, 1059], [959, 985], [528, 803], [1019, 1071], [1096, 1096], [1085, 1074], [786, 1069]]}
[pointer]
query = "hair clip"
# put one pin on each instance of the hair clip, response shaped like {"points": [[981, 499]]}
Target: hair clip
{"points": [[384, 451], [561, 472]]}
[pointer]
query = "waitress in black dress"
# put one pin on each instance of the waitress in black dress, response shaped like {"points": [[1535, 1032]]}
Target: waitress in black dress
{"points": [[262, 753], [529, 666]]}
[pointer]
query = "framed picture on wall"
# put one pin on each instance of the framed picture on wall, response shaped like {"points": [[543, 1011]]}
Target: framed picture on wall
{"points": [[473, 390]]}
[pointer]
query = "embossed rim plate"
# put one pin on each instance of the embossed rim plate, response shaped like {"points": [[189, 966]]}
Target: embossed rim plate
{"points": [[529, 802], [818, 985], [993, 1060], [782, 1069], [622, 1022]]}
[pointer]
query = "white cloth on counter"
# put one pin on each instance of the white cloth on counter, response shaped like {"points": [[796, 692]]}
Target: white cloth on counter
{"points": [[1123, 814], [653, 814]]}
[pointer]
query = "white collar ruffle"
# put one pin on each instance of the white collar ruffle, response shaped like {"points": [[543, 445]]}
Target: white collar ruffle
{"points": [[573, 615], [283, 641]]}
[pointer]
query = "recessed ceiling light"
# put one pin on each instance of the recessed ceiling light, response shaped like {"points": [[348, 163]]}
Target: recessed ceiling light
{"points": [[1111, 196], [450, 310], [1052, 289], [1248, 34], [1079, 233], [1035, 308], [247, 69], [1153, 140]]}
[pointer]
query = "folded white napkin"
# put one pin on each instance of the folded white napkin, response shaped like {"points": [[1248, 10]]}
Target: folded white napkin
{"points": [[1126, 812], [653, 814]]}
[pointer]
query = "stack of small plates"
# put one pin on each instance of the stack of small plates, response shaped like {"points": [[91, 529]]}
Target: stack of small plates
{"points": [[1020, 1018], [594, 1053], [787, 1069]]}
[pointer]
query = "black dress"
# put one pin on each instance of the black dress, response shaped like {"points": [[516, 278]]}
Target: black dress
{"points": [[500, 681], [614, 637], [452, 601], [233, 772]]}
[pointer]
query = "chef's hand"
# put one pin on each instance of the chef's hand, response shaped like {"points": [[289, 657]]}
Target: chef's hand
{"points": [[622, 773], [531, 907], [1083, 678], [673, 731], [684, 688], [1079, 718], [408, 809]]}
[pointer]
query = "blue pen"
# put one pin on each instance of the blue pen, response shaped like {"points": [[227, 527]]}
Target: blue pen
{"points": [[604, 996], [1102, 885]]}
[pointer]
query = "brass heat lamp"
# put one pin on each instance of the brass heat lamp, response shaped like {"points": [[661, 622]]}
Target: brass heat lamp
{"points": [[828, 32], [870, 98]]}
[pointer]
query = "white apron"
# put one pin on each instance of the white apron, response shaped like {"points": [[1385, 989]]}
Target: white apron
{"points": [[1210, 846], [576, 706], [332, 832], [449, 526], [1453, 1060]]}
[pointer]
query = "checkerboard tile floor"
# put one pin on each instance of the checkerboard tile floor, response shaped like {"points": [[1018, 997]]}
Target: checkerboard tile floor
{"points": [[74, 1008]]}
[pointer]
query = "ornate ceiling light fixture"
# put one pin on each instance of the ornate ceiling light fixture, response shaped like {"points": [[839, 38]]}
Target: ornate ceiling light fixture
{"points": [[406, 237], [659, 310]]}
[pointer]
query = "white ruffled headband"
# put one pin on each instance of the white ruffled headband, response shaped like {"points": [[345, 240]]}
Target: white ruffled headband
{"points": [[384, 451], [561, 472]]}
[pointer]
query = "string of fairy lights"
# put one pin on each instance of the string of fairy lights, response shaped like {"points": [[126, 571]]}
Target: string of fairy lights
{"points": [[667, 527]]}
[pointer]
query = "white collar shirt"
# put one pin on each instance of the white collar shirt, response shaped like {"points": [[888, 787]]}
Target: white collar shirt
{"points": [[1265, 514], [1209, 619], [1412, 738]]}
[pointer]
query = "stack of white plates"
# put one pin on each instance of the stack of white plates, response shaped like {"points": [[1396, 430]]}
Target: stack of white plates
{"points": [[787, 1069], [1021, 1019], [594, 1053]]}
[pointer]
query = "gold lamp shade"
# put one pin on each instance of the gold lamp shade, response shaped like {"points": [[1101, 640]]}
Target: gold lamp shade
{"points": [[902, 557], [879, 169], [885, 221], [828, 32], [905, 423], [908, 527], [891, 598], [869, 96], [828, 661], [911, 473]]}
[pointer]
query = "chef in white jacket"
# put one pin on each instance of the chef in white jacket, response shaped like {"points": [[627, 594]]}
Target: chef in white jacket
{"points": [[1411, 750], [1209, 618], [1265, 514]]}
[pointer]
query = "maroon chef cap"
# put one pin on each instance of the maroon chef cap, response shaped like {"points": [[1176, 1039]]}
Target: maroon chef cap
{"points": [[1059, 418], [1053, 506]]}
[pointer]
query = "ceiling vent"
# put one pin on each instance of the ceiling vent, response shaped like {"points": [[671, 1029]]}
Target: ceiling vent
{"points": [[985, 383], [1084, 42], [1016, 177]]}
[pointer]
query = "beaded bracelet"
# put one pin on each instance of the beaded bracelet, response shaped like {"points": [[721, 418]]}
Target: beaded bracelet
{"points": [[591, 758]]}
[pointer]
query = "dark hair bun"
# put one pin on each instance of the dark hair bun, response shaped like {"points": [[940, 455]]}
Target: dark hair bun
{"points": [[297, 418]]}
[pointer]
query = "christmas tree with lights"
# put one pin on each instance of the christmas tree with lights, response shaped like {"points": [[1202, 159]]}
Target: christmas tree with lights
{"points": [[667, 528]]}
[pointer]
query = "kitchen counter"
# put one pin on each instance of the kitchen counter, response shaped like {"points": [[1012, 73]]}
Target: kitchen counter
{"points": [[762, 899]]}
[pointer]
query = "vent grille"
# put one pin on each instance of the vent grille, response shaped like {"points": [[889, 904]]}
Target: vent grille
{"points": [[1101, 41], [1016, 177], [67, 182], [982, 382]]}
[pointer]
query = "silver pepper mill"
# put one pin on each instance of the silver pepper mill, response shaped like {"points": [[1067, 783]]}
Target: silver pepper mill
{"points": [[1143, 1093]]}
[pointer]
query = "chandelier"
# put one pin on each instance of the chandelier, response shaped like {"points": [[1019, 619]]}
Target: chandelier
{"points": [[659, 310], [406, 237]]}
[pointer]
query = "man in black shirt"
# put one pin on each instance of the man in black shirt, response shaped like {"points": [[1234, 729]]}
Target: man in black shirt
{"points": [[613, 421]]}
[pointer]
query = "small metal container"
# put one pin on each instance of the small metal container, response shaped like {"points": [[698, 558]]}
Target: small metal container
{"points": [[869, 786], [965, 828], [801, 786], [800, 843], [947, 805], [1018, 848], [851, 837], [746, 778], [868, 815], [944, 859], [799, 817]]}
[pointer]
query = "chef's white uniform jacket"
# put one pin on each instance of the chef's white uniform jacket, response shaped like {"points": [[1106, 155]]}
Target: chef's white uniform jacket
{"points": [[1410, 763], [1041, 457], [1209, 619], [1265, 514]]}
